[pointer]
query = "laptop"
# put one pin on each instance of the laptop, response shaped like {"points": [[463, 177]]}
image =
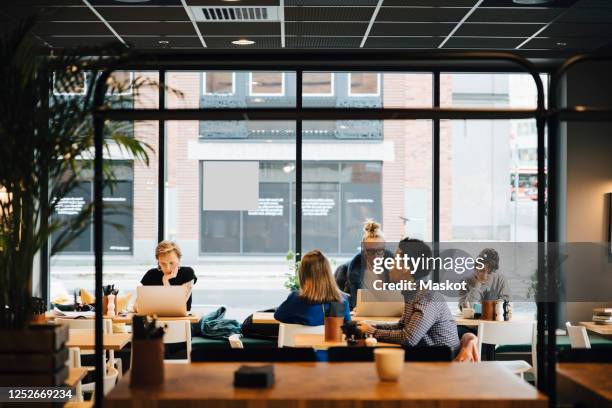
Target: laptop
{"points": [[379, 304], [166, 301]]}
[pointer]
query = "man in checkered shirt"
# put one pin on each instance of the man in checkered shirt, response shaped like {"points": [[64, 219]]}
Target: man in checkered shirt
{"points": [[427, 320]]}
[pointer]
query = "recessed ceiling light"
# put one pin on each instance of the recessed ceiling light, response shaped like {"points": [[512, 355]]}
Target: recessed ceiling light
{"points": [[132, 1], [243, 41], [561, 44], [163, 42]]}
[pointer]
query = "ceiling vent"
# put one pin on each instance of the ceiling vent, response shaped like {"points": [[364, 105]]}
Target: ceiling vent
{"points": [[235, 13]]}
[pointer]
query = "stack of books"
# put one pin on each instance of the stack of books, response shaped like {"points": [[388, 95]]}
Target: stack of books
{"points": [[602, 315]]}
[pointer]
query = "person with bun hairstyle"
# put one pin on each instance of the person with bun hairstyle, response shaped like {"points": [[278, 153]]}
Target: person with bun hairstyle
{"points": [[317, 291], [169, 272], [360, 267]]}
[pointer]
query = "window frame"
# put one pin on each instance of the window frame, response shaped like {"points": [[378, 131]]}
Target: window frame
{"points": [[283, 89], [131, 88], [204, 91], [378, 84], [85, 86], [332, 85]]}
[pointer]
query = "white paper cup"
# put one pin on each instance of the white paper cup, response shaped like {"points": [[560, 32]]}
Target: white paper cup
{"points": [[468, 313], [389, 363]]}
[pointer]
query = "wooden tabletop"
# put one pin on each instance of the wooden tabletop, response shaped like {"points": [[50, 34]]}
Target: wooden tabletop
{"points": [[85, 340], [317, 341], [75, 375], [127, 318], [587, 384], [335, 385], [605, 329], [268, 318]]}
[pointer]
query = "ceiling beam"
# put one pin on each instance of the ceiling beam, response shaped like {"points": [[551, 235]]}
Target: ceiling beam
{"points": [[460, 23], [372, 19], [194, 23], [106, 23]]}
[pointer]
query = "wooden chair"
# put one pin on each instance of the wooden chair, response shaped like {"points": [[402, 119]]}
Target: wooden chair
{"points": [[177, 331], [578, 336], [510, 334], [287, 332]]}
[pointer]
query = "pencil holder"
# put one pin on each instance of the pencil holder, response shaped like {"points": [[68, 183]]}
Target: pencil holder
{"points": [[147, 363]]}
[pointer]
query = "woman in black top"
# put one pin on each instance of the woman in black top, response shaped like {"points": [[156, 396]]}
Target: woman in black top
{"points": [[168, 272]]}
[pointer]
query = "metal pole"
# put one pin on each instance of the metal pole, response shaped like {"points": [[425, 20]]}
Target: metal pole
{"points": [[161, 161], [435, 182], [298, 167], [98, 124]]}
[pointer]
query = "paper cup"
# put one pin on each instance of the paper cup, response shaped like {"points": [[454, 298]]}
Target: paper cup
{"points": [[389, 363]]}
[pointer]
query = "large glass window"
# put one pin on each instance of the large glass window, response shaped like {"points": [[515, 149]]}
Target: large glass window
{"points": [[267, 83], [364, 84], [219, 83], [318, 83]]}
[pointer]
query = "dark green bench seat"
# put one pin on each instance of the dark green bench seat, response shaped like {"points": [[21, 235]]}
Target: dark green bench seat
{"points": [[203, 342], [563, 343]]}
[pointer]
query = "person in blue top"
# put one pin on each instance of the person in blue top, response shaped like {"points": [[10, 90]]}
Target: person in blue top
{"points": [[318, 290]]}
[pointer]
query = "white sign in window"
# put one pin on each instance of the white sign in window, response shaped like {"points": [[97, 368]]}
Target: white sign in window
{"points": [[219, 83], [230, 186], [364, 84]]}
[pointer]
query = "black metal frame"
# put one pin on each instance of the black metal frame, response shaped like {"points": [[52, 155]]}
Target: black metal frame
{"points": [[367, 61]]}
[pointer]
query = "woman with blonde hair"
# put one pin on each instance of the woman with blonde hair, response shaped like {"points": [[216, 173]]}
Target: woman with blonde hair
{"points": [[318, 290], [360, 267], [169, 272]]}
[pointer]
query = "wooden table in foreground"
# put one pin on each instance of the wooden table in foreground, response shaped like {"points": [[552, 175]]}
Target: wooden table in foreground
{"points": [[331, 385], [586, 384], [85, 340], [605, 329], [317, 341]]}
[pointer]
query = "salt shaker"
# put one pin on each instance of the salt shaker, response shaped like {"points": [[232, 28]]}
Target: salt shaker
{"points": [[499, 310]]}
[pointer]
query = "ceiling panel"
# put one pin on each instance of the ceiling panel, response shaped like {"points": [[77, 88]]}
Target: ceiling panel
{"points": [[512, 4], [80, 41], [173, 42], [226, 42], [593, 3], [143, 13], [321, 29], [531, 15], [323, 42], [425, 14], [403, 42], [339, 3], [430, 3], [52, 13], [154, 28], [122, 4], [497, 30], [328, 13], [565, 43], [587, 15], [225, 3], [266, 29], [411, 29], [483, 43], [92, 28], [577, 30]]}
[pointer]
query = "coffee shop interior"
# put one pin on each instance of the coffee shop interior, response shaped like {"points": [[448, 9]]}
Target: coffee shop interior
{"points": [[152, 153]]}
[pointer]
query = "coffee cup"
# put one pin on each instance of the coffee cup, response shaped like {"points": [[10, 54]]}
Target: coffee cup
{"points": [[389, 363], [467, 313]]}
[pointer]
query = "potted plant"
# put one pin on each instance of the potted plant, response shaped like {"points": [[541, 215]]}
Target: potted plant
{"points": [[46, 144]]}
